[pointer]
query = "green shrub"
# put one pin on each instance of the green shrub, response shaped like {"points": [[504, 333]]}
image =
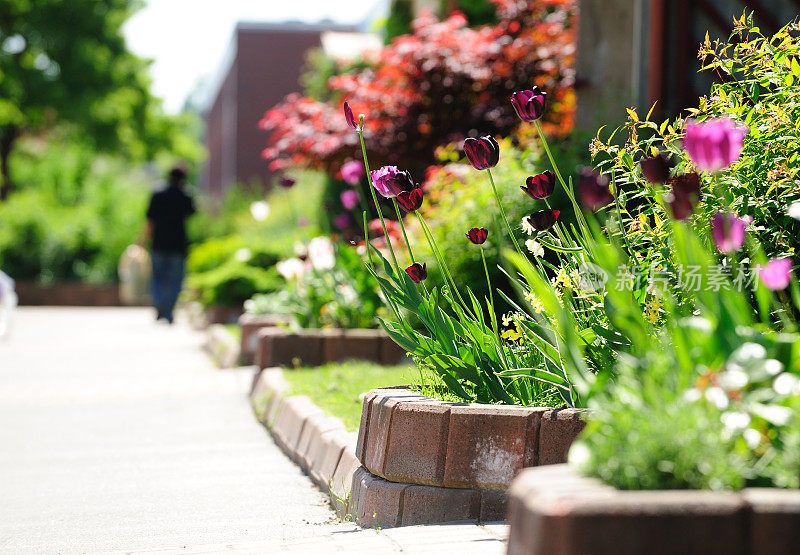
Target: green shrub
{"points": [[232, 283]]}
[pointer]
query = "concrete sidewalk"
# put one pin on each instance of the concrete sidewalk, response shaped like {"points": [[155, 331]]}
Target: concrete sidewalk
{"points": [[117, 434]]}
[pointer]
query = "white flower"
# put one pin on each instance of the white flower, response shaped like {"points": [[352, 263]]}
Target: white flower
{"points": [[527, 227], [291, 268], [579, 455], [348, 294], [717, 397], [535, 247], [320, 253], [259, 210], [794, 211], [733, 379], [692, 395], [752, 438], [773, 367], [786, 384], [243, 255], [735, 420]]}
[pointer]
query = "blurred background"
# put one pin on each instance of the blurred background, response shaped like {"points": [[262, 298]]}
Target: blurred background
{"points": [[99, 98]]}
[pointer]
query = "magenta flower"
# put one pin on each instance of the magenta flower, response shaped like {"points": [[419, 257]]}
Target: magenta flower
{"points": [[714, 144], [540, 186], [352, 172], [478, 235], [418, 272], [483, 153], [348, 115], [656, 169], [593, 189], [342, 221], [543, 219], [390, 182], [529, 104], [777, 274], [684, 195], [728, 231], [350, 199], [410, 200]]}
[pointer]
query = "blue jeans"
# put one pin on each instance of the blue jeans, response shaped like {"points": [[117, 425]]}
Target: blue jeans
{"points": [[167, 280]]}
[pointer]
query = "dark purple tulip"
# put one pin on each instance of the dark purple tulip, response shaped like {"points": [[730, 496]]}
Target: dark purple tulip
{"points": [[529, 104], [593, 189], [478, 235], [483, 153], [684, 195], [540, 186], [410, 200], [287, 182], [348, 115], [543, 219], [728, 231], [418, 272], [656, 168], [777, 274], [390, 182]]}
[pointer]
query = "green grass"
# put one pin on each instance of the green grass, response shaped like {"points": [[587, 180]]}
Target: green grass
{"points": [[336, 387]]}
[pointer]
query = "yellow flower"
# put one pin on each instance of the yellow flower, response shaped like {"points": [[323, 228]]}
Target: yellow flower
{"points": [[535, 302], [511, 335]]}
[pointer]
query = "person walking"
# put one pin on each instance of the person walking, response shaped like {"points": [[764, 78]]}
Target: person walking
{"points": [[166, 225]]}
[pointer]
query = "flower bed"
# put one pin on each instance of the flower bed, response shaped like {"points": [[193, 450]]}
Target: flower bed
{"points": [[555, 510]]}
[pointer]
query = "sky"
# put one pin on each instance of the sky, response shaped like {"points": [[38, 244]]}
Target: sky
{"points": [[188, 39]]}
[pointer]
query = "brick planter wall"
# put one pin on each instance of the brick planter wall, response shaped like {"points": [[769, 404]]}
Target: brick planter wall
{"points": [[554, 510], [313, 347], [67, 294], [409, 438], [250, 324]]}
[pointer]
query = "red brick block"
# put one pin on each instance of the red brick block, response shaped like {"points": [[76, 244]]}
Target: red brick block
{"points": [[429, 505], [325, 456], [488, 445], [494, 505], [377, 432], [376, 502], [268, 389], [417, 443], [558, 430], [366, 407], [280, 347], [311, 437], [292, 416], [576, 515], [774, 521], [341, 485], [250, 324], [391, 352], [343, 345]]}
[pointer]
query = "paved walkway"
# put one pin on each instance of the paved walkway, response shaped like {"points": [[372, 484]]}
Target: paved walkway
{"points": [[117, 434]]}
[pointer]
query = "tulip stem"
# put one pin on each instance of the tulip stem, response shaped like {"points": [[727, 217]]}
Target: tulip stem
{"points": [[503, 214], [374, 196], [403, 227], [570, 193], [492, 315]]}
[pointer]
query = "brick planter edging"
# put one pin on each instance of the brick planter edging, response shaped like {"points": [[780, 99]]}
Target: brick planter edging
{"points": [[555, 510], [313, 347], [250, 324], [409, 438], [221, 346], [322, 447]]}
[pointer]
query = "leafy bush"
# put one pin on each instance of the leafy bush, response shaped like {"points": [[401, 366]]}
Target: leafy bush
{"points": [[73, 215], [232, 283], [434, 87]]}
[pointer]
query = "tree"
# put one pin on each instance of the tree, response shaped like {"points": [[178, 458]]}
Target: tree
{"points": [[67, 63]]}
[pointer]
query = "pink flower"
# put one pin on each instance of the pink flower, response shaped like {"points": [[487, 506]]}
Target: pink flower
{"points": [[390, 182], [728, 231], [348, 115], [350, 199], [341, 221], [777, 274], [714, 144], [352, 172]]}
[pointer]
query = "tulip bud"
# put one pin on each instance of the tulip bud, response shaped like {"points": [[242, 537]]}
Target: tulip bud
{"points": [[540, 186], [478, 235], [348, 115], [287, 182], [543, 219], [482, 153], [593, 189], [410, 200], [656, 168], [418, 272], [684, 195], [529, 104]]}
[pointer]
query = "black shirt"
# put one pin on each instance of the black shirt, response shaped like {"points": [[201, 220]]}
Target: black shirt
{"points": [[168, 211]]}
